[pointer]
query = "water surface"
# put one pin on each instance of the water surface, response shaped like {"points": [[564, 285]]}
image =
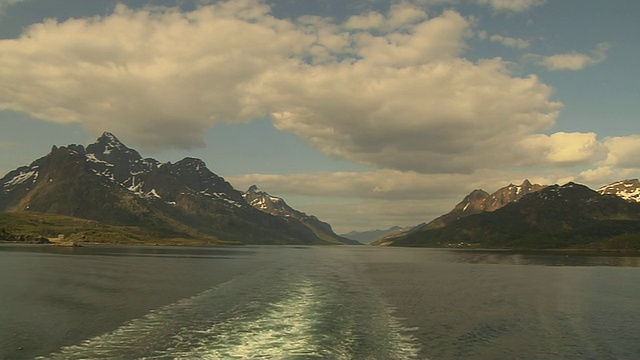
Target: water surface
{"points": [[315, 302]]}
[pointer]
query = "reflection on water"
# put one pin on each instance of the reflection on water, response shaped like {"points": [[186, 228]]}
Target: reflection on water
{"points": [[545, 258]]}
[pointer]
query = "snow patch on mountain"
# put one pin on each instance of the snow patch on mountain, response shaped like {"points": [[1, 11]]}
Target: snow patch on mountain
{"points": [[21, 177], [153, 194], [627, 189], [269, 203], [92, 158]]}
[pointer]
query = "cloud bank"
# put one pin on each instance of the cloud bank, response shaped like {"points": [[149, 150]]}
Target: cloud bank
{"points": [[387, 90]]}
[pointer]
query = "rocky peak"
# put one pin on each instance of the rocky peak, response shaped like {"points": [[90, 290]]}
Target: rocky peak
{"points": [[628, 189], [509, 194], [108, 148], [479, 200], [473, 202], [267, 203], [567, 192], [191, 164], [113, 160], [194, 173]]}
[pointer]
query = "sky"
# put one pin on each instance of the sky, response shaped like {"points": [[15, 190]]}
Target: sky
{"points": [[365, 113]]}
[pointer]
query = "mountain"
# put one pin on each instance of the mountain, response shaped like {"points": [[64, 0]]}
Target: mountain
{"points": [[113, 184], [627, 189], [476, 202], [568, 216], [479, 200], [366, 237], [278, 207]]}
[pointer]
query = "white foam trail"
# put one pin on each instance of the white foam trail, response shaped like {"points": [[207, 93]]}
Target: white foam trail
{"points": [[291, 317], [285, 329]]}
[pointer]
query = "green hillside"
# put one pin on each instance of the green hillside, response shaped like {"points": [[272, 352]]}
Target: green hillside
{"points": [[32, 226]]}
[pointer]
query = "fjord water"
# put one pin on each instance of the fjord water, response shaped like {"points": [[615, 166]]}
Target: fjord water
{"points": [[315, 302]]}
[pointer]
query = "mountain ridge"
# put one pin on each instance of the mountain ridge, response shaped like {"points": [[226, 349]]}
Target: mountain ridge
{"points": [[112, 183], [476, 202], [558, 216], [628, 189]]}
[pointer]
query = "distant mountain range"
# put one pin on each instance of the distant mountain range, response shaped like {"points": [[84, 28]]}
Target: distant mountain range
{"points": [[535, 216], [366, 237], [113, 185]]}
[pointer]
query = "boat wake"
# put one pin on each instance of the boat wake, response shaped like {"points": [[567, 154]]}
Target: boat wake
{"points": [[264, 315]]}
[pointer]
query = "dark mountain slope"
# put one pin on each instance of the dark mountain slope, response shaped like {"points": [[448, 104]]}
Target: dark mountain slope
{"points": [[568, 216], [476, 202], [479, 200], [64, 184]]}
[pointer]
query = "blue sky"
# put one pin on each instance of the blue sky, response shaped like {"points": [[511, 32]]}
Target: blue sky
{"points": [[365, 113]]}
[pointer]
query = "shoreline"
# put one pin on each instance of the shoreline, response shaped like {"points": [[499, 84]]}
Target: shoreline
{"points": [[585, 251]]}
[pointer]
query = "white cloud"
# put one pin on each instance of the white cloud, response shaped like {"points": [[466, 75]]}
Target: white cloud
{"points": [[511, 5], [380, 184], [564, 149], [448, 115], [157, 75], [571, 61], [510, 42], [623, 151], [621, 162], [401, 97], [598, 177]]}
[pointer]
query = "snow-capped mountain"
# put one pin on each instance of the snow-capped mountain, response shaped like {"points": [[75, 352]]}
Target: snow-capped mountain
{"points": [[270, 204], [112, 159], [111, 183], [276, 206], [627, 189]]}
